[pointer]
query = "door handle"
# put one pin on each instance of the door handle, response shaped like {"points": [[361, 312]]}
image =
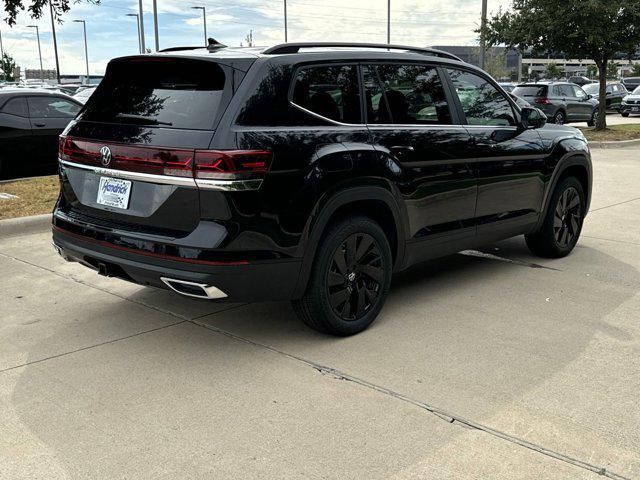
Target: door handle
{"points": [[40, 124]]}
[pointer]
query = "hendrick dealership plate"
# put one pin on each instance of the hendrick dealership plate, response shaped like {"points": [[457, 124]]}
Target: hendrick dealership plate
{"points": [[114, 192]]}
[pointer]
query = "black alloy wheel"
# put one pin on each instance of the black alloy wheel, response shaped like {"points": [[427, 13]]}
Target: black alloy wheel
{"points": [[350, 278], [559, 118], [355, 276], [567, 217], [562, 224]]}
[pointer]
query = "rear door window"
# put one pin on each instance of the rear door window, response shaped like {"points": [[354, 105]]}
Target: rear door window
{"points": [[530, 91], [51, 107], [405, 94], [167, 92], [482, 103], [16, 106], [331, 92]]}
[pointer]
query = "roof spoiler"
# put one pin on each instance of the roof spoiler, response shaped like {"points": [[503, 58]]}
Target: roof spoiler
{"points": [[212, 46]]}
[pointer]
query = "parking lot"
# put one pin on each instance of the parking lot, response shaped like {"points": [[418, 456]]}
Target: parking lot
{"points": [[456, 379]]}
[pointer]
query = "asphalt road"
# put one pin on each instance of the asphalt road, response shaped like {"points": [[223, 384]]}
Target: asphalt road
{"points": [[488, 364]]}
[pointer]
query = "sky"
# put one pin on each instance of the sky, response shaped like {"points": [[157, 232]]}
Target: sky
{"points": [[111, 33]]}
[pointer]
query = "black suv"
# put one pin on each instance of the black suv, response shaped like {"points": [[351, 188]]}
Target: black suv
{"points": [[308, 172]]}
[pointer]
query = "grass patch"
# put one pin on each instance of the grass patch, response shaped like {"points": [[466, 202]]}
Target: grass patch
{"points": [[35, 196], [613, 133]]}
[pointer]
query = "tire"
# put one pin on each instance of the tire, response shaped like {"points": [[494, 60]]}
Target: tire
{"points": [[559, 118], [594, 118], [346, 291], [624, 114], [562, 224]]}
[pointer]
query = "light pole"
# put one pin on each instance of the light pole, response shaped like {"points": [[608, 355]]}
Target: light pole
{"points": [[204, 22], [143, 49], [39, 50], [483, 23], [388, 22], [155, 23], [86, 51], [285, 22], [1, 49], [55, 41], [138, 23]]}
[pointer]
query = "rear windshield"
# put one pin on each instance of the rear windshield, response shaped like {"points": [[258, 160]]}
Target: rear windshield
{"points": [[167, 92], [530, 91]]}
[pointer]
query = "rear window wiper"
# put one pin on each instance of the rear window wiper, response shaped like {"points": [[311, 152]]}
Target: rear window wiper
{"points": [[141, 118]]}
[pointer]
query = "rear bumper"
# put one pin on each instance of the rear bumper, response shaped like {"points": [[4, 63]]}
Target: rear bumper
{"points": [[252, 282]]}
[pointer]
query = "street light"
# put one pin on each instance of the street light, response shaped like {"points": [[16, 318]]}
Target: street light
{"points": [[138, 22], [388, 22], [204, 22], [143, 49], [39, 50], [86, 51], [55, 42], [155, 24], [285, 22]]}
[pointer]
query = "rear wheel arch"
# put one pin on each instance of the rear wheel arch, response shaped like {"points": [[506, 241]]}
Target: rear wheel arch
{"points": [[570, 165], [374, 202]]}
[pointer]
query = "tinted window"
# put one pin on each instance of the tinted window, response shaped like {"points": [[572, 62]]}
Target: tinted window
{"points": [[329, 91], [530, 91], [481, 102], [174, 93], [405, 94], [16, 106], [52, 107]]}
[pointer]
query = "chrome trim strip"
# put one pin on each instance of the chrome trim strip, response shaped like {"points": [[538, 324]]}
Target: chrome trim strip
{"points": [[229, 185], [142, 177], [209, 291], [208, 184]]}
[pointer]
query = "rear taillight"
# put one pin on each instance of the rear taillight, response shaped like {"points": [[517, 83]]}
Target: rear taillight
{"points": [[543, 101], [221, 168], [153, 160], [231, 164]]}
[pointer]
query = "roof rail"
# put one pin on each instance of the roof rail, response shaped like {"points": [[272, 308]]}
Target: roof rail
{"points": [[284, 48]]}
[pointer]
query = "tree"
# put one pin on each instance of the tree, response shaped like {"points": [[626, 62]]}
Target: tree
{"points": [[612, 69], [636, 70], [595, 29], [554, 71], [36, 8], [495, 64], [592, 71], [7, 66]]}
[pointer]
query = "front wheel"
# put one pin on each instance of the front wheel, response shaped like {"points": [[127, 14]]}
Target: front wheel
{"points": [[562, 223], [350, 278], [624, 114], [593, 121]]}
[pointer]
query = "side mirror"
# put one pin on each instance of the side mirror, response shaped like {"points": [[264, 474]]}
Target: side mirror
{"points": [[532, 118]]}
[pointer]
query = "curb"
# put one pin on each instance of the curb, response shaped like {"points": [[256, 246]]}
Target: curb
{"points": [[25, 225], [618, 144]]}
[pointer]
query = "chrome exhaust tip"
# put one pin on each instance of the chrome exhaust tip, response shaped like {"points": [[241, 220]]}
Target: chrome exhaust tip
{"points": [[193, 289]]}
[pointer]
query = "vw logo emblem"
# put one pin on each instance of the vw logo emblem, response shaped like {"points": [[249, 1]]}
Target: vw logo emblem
{"points": [[105, 156]]}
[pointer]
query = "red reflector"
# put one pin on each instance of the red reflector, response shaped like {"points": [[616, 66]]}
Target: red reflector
{"points": [[543, 101], [154, 160], [231, 164]]}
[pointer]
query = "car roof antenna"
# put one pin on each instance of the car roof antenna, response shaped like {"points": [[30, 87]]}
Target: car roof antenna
{"points": [[213, 44]]}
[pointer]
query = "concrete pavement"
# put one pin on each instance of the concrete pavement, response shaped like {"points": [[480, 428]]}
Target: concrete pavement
{"points": [[487, 364]]}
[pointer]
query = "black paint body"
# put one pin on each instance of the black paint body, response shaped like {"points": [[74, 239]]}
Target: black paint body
{"points": [[435, 189]]}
